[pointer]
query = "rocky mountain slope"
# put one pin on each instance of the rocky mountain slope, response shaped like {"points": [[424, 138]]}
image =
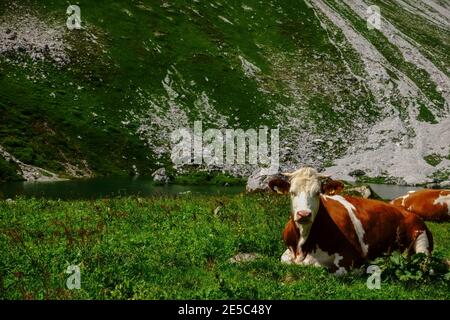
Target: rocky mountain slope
{"points": [[103, 100]]}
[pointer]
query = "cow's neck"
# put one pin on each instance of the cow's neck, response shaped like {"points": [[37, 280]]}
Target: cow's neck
{"points": [[309, 235], [304, 231]]}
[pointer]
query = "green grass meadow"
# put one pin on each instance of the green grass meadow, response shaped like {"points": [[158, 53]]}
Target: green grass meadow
{"points": [[172, 248]]}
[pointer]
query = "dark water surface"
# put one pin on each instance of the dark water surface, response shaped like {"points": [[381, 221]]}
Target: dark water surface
{"points": [[388, 191], [123, 186], [106, 187]]}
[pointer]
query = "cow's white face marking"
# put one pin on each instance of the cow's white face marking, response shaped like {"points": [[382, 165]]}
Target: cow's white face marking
{"points": [[305, 199], [355, 221], [306, 203], [443, 200]]}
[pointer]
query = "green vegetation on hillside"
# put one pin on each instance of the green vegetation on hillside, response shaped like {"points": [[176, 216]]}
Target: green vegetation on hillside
{"points": [[134, 62], [433, 159], [8, 171]]}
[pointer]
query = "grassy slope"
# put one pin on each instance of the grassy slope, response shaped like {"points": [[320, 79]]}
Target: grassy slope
{"points": [[394, 56], [434, 40], [173, 247], [141, 43], [44, 131]]}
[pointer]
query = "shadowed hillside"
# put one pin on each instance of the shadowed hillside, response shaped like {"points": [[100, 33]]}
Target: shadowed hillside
{"points": [[103, 100]]}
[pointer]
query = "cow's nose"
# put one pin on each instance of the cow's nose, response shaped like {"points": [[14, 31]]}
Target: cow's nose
{"points": [[303, 213]]}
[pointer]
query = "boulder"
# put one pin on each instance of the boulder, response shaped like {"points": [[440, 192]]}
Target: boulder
{"points": [[361, 191], [259, 181], [439, 185], [445, 184], [160, 176], [244, 257]]}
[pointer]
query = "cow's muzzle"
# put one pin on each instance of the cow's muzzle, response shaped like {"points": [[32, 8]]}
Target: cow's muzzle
{"points": [[302, 216]]}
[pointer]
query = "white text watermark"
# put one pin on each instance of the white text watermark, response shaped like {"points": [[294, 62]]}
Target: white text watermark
{"points": [[225, 147], [74, 20]]}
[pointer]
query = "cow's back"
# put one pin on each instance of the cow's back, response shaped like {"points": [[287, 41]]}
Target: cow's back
{"points": [[429, 204], [373, 226]]}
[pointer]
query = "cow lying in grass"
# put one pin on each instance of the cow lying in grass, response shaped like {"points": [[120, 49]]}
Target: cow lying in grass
{"points": [[429, 204], [340, 232]]}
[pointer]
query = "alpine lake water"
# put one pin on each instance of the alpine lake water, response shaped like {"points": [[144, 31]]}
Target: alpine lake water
{"points": [[109, 187]]}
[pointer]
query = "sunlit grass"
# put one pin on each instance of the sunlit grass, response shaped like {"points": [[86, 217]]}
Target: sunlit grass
{"points": [[171, 248]]}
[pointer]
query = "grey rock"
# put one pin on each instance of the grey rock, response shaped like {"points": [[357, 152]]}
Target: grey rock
{"points": [[445, 184], [362, 191], [433, 185], [259, 181], [28, 34], [29, 172], [217, 210], [13, 36], [439, 185], [160, 176], [244, 257]]}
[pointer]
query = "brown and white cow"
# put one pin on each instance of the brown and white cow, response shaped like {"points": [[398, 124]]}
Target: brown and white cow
{"points": [[429, 204], [340, 232]]}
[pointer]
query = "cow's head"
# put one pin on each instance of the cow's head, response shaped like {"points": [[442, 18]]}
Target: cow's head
{"points": [[305, 186]]}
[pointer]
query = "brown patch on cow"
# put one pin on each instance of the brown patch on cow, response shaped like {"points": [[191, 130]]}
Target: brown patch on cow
{"points": [[332, 236], [388, 228], [341, 219], [410, 228], [291, 236], [421, 203]]}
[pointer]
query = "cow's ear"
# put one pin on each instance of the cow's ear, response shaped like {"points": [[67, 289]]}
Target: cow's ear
{"points": [[332, 187], [279, 185]]}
